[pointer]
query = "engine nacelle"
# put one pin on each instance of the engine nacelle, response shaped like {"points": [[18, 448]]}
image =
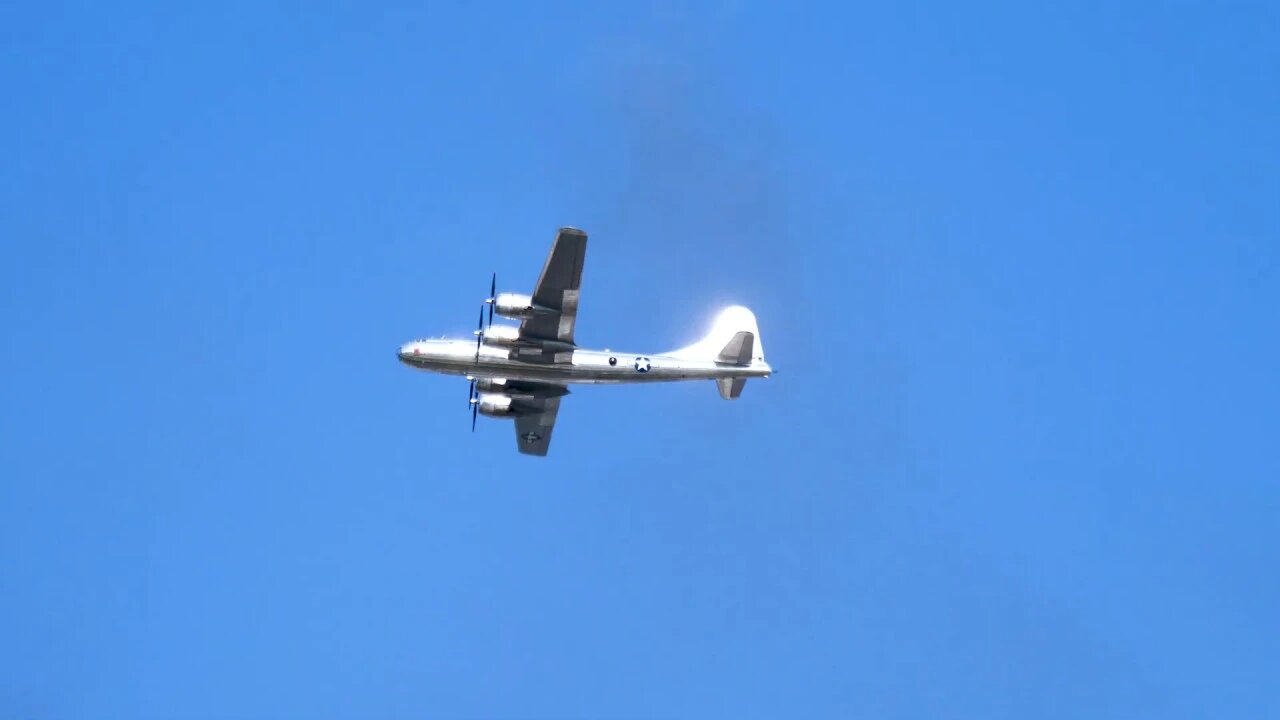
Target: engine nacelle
{"points": [[513, 305], [494, 405], [491, 385], [501, 335]]}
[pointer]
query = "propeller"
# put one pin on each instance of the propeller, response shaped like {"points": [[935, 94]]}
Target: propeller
{"points": [[473, 398], [493, 295]]}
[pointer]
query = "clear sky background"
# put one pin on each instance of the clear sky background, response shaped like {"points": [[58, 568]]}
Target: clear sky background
{"points": [[1017, 267]]}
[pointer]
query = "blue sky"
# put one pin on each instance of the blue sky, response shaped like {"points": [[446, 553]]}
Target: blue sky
{"points": [[1017, 266]]}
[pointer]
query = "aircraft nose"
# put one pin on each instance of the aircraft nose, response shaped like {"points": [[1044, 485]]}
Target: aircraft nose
{"points": [[405, 352]]}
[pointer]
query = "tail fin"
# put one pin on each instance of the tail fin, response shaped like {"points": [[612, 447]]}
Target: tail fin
{"points": [[734, 339]]}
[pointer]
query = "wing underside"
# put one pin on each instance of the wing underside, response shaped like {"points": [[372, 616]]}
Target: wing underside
{"points": [[556, 294], [534, 425], [549, 336]]}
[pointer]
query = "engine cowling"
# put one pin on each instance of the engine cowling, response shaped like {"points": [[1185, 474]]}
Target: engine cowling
{"points": [[494, 405], [501, 335], [491, 385], [513, 305]]}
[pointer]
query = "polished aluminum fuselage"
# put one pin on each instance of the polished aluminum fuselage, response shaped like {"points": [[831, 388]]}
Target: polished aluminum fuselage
{"points": [[458, 357]]}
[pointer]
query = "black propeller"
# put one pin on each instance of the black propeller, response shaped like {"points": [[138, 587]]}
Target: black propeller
{"points": [[473, 398], [493, 297]]}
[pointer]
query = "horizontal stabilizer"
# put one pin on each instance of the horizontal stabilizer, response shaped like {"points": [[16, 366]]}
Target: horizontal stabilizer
{"points": [[730, 388], [738, 350]]}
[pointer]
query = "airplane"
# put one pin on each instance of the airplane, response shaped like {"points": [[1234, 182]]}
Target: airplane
{"points": [[522, 372]]}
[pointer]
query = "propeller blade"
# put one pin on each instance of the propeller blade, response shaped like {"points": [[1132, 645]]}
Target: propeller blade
{"points": [[493, 298], [471, 391], [474, 408], [479, 334]]}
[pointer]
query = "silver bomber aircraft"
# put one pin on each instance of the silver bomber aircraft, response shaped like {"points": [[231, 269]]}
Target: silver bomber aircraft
{"points": [[522, 372]]}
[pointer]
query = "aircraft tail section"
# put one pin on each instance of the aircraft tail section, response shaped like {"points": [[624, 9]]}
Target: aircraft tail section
{"points": [[734, 341], [738, 351], [730, 388]]}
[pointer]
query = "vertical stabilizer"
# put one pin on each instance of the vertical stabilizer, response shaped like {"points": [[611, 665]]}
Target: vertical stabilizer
{"points": [[727, 335], [734, 340]]}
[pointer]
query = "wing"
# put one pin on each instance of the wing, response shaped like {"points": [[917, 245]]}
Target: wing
{"points": [[557, 289], [533, 429]]}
